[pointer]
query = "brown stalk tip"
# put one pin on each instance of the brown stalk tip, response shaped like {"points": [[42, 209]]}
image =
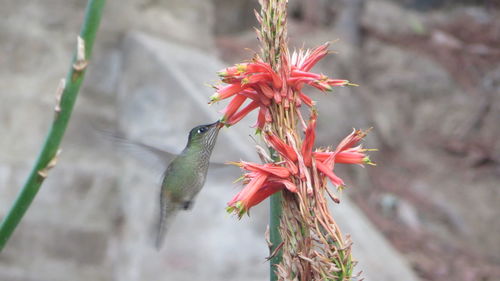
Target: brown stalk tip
{"points": [[273, 254]]}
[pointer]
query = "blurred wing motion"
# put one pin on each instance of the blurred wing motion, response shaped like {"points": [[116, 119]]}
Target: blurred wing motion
{"points": [[157, 157]]}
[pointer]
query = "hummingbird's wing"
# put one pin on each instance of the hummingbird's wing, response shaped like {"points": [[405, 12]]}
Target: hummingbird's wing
{"points": [[155, 158], [158, 157], [162, 155]]}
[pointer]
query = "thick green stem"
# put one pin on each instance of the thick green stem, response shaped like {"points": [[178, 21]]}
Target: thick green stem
{"points": [[48, 154], [274, 232]]}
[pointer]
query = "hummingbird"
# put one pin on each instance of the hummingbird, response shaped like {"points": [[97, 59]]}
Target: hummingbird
{"points": [[186, 175]]}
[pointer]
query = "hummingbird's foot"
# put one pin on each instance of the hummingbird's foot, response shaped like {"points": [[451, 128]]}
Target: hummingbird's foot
{"points": [[187, 205]]}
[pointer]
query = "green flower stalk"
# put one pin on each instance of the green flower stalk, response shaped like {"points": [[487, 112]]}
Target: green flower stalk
{"points": [[66, 97]]}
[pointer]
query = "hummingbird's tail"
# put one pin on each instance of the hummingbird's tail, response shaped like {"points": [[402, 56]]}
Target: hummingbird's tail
{"points": [[167, 214]]}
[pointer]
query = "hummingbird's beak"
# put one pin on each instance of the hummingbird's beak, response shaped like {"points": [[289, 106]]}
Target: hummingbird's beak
{"points": [[219, 124]]}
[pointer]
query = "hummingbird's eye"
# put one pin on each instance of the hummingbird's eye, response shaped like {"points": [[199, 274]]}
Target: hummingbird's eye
{"points": [[202, 129]]}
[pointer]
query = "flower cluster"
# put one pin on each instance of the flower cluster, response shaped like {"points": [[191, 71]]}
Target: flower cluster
{"points": [[261, 182], [257, 82], [264, 180], [256, 85]]}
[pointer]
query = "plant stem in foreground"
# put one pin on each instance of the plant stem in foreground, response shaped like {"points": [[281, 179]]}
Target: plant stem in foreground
{"points": [[68, 91]]}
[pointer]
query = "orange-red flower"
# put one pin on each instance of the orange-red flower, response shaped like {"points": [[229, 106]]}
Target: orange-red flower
{"points": [[309, 138], [257, 81], [347, 143], [268, 168], [355, 155], [235, 118], [284, 149], [344, 153], [256, 85], [243, 204], [306, 60], [262, 181], [233, 106]]}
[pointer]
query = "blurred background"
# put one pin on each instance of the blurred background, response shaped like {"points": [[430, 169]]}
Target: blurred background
{"points": [[429, 76]]}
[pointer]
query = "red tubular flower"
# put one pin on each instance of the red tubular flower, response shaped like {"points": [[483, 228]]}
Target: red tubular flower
{"points": [[226, 92], [306, 99], [233, 106], [258, 66], [263, 117], [266, 90], [344, 153], [233, 70], [259, 196], [284, 149], [277, 97], [232, 79], [265, 179], [322, 155], [352, 157], [355, 155], [266, 68], [269, 168], [286, 184], [229, 72], [251, 94], [309, 138], [299, 73], [351, 140], [243, 205], [327, 171], [315, 56], [242, 113], [267, 115], [348, 142], [261, 120], [246, 194], [265, 101], [322, 86], [258, 81], [256, 78], [335, 82], [297, 82]]}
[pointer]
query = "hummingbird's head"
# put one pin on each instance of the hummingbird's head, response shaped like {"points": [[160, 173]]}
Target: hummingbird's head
{"points": [[204, 135]]}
